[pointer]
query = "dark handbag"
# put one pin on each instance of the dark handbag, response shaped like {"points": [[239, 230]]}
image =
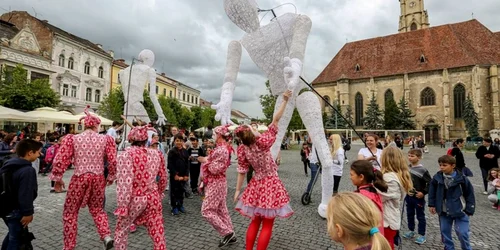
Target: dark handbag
{"points": [[25, 239]]}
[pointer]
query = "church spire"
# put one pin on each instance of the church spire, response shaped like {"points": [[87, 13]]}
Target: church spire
{"points": [[413, 15]]}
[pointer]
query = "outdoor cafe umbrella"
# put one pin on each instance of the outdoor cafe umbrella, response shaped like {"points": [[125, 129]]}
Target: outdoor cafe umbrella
{"points": [[47, 114], [7, 114]]}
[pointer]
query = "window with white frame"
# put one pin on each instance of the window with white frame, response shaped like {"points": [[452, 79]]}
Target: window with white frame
{"points": [[73, 91], [164, 92], [157, 90], [65, 90], [86, 68], [170, 93], [101, 72], [88, 95], [61, 60], [97, 97], [71, 63]]}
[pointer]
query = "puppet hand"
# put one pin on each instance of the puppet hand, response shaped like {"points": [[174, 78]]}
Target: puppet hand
{"points": [[223, 108], [161, 120], [292, 71]]}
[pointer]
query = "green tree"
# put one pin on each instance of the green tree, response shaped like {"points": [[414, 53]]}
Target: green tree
{"points": [[18, 93], [391, 114], [470, 118], [405, 117], [112, 105], [268, 101], [208, 117], [167, 110], [185, 118], [373, 116], [197, 117], [348, 116]]}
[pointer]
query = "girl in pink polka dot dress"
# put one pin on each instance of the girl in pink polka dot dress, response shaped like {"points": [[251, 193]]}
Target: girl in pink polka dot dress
{"points": [[265, 196]]}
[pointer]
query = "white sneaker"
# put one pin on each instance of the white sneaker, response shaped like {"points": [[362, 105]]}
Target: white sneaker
{"points": [[485, 193]]}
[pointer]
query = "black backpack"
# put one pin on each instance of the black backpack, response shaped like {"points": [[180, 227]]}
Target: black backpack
{"points": [[7, 195]]}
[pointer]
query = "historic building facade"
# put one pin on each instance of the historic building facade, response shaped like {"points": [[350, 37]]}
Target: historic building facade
{"points": [[83, 69], [20, 46], [433, 68], [188, 96]]}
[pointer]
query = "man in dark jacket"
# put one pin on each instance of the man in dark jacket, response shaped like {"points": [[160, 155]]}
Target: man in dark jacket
{"points": [[23, 190], [488, 159], [451, 196]]}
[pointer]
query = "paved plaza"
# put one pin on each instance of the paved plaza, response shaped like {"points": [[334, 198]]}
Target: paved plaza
{"points": [[304, 230]]}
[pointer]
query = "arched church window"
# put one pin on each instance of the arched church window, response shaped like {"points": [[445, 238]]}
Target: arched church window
{"points": [[358, 109], [458, 100], [357, 68], [422, 59], [427, 97], [325, 103], [388, 95], [413, 26]]}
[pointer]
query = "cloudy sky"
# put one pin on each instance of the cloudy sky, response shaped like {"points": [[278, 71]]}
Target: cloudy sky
{"points": [[190, 37]]}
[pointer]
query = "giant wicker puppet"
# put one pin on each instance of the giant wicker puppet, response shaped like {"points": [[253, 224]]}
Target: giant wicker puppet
{"points": [[278, 50]]}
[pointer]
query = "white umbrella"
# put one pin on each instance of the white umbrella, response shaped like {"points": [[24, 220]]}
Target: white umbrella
{"points": [[8, 114], [47, 114], [202, 129], [104, 121]]}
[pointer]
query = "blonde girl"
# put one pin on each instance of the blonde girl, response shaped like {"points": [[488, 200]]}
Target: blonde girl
{"points": [[337, 152], [397, 176], [352, 220]]}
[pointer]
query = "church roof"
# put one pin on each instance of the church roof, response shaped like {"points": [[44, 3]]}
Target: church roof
{"points": [[447, 46]]}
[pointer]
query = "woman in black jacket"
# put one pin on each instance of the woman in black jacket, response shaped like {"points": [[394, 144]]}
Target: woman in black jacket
{"points": [[488, 159], [459, 157], [7, 145]]}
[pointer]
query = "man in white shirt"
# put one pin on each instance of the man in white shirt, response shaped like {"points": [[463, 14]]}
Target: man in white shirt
{"points": [[112, 131]]}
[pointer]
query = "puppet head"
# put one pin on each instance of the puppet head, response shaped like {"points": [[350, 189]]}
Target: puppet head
{"points": [[243, 13], [147, 57]]}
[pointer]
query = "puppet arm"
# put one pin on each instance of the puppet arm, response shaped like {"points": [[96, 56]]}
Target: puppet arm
{"points": [[152, 95], [223, 108], [293, 63]]}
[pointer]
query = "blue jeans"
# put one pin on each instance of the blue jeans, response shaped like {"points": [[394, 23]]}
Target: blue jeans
{"points": [[314, 170], [13, 222], [461, 229], [416, 206]]}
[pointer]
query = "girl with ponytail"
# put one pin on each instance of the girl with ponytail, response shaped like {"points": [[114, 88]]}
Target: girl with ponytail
{"points": [[352, 220], [368, 179]]}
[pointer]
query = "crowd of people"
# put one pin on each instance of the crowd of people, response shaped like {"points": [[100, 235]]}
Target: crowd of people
{"points": [[384, 180]]}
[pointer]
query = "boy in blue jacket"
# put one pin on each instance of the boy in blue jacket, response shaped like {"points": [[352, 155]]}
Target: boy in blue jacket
{"points": [[451, 196], [23, 188]]}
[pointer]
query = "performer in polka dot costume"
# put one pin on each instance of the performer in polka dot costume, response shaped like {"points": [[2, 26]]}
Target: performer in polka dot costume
{"points": [[86, 152], [139, 195]]}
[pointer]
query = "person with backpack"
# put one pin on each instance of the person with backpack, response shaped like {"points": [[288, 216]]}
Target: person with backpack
{"points": [[451, 196], [87, 152], [18, 191]]}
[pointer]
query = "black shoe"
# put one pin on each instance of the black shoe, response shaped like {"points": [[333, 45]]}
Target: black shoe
{"points": [[228, 239], [188, 196]]}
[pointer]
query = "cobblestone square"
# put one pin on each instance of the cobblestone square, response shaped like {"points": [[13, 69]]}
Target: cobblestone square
{"points": [[304, 230]]}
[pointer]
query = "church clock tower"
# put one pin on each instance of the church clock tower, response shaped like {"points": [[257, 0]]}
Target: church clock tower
{"points": [[413, 16]]}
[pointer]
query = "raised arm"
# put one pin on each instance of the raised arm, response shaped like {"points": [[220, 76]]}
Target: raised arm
{"points": [[281, 110], [152, 95], [223, 108], [293, 62]]}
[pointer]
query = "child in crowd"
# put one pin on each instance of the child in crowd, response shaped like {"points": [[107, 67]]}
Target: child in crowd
{"points": [[398, 179], [194, 151], [352, 220], [451, 196], [304, 154], [36, 163], [494, 187], [50, 154], [179, 174], [18, 213], [368, 180], [203, 169], [415, 201]]}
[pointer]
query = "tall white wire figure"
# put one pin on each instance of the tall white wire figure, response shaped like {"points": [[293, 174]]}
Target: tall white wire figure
{"points": [[278, 50], [133, 80]]}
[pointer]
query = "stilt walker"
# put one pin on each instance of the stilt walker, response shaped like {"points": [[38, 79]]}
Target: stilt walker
{"points": [[139, 194], [86, 152], [214, 207]]}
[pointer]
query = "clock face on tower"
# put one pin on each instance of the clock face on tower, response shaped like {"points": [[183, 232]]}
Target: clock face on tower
{"points": [[412, 4]]}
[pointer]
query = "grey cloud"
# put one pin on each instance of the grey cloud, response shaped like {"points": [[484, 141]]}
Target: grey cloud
{"points": [[190, 37]]}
